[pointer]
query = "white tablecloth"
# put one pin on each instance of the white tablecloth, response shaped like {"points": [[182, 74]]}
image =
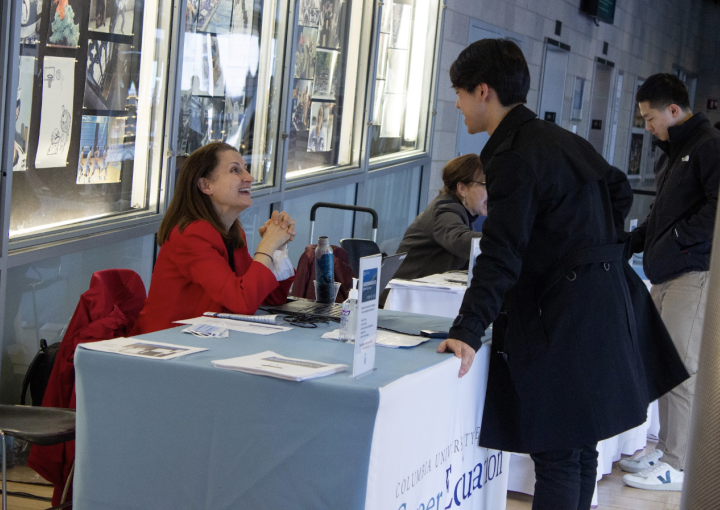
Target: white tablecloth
{"points": [[521, 473]]}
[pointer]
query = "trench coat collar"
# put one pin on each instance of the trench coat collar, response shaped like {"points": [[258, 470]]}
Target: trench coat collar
{"points": [[515, 117], [677, 135]]}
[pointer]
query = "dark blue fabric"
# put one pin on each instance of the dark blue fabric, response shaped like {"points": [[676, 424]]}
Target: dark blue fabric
{"points": [[181, 434], [565, 478]]}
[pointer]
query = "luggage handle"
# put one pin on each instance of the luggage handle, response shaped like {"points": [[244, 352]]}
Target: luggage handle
{"points": [[355, 208]]}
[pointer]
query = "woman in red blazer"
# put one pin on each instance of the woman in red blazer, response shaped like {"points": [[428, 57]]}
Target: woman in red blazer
{"points": [[194, 273]]}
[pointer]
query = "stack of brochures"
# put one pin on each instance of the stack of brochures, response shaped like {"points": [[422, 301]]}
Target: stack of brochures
{"points": [[271, 364]]}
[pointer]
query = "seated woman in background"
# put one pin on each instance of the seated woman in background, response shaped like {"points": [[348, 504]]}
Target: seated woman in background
{"points": [[439, 239], [204, 264]]}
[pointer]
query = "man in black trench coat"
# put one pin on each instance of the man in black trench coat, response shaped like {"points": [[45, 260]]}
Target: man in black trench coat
{"points": [[578, 349]]}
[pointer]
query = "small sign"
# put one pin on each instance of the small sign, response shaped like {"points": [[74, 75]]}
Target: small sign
{"points": [[550, 116], [596, 124], [368, 300], [712, 104]]}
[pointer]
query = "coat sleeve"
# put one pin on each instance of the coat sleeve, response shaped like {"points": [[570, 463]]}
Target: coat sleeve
{"points": [[621, 197], [513, 198], [698, 227], [199, 254], [451, 232]]}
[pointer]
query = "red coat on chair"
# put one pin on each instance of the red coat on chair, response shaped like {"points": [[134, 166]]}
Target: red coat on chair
{"points": [[304, 286], [108, 309]]}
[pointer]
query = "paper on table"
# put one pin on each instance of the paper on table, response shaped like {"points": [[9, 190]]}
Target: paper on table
{"points": [[141, 348], [431, 283], [271, 364], [386, 339], [263, 319], [245, 327]]}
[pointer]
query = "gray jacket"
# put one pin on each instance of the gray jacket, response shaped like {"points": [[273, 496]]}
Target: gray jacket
{"points": [[438, 240]]}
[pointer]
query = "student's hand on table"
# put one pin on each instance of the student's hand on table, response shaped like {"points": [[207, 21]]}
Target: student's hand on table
{"points": [[461, 350]]}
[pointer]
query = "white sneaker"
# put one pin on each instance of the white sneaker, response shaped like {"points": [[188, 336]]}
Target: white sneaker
{"points": [[661, 477], [641, 463]]}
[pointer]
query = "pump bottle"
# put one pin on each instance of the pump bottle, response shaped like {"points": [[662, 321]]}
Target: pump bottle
{"points": [[348, 319]]}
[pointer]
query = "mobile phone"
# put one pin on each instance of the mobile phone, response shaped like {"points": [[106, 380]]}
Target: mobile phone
{"points": [[430, 333]]}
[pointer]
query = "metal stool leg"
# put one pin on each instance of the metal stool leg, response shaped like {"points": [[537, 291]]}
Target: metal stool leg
{"points": [[4, 482], [68, 483]]}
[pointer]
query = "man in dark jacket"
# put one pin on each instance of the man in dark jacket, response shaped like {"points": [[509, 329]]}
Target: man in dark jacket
{"points": [[676, 239], [567, 362]]}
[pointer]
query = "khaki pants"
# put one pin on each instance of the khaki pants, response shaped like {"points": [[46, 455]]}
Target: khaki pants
{"points": [[681, 303]]}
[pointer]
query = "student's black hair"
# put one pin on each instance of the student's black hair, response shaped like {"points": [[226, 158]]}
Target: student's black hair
{"points": [[663, 89], [499, 63]]}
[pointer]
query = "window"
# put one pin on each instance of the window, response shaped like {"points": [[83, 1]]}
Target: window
{"points": [[90, 105]]}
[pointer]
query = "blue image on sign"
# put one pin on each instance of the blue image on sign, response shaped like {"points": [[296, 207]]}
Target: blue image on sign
{"points": [[369, 285]]}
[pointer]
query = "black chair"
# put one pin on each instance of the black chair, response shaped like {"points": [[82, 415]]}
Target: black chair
{"points": [[44, 426], [356, 249]]}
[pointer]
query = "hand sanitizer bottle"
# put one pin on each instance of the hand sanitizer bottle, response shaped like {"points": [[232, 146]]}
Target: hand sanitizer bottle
{"points": [[348, 319]]}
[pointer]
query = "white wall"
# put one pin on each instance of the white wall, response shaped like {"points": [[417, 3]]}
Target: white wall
{"points": [[648, 37]]}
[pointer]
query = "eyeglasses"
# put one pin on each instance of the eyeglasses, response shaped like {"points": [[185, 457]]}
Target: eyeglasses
{"points": [[481, 183]]}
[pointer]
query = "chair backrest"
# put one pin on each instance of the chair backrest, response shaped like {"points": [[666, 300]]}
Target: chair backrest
{"points": [[356, 249], [303, 286]]}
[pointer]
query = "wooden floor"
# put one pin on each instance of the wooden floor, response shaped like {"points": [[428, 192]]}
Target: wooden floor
{"points": [[613, 494], [33, 484]]}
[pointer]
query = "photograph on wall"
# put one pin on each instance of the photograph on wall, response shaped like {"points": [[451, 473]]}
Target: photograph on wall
{"points": [[322, 117], [326, 74], [396, 74], [65, 16], [392, 116], [234, 120], [636, 145], [382, 55], [305, 53], [309, 13], [242, 17], [201, 121], [401, 26], [111, 74], [223, 16], [330, 22], [103, 148], [22, 112], [301, 94], [58, 75], [30, 21], [112, 16], [191, 15]]}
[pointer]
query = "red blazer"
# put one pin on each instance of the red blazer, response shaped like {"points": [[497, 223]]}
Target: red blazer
{"points": [[192, 276]]}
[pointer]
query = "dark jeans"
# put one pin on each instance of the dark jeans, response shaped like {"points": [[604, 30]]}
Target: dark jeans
{"points": [[565, 478]]}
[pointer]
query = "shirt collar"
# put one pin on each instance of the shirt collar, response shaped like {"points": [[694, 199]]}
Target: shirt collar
{"points": [[515, 117], [679, 134]]}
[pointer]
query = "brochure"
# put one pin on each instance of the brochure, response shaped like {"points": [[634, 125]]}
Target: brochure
{"points": [[271, 364], [141, 348]]}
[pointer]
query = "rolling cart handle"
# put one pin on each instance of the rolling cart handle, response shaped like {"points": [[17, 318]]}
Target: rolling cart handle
{"points": [[355, 208]]}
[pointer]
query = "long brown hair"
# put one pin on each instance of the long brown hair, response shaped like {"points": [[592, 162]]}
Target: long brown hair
{"points": [[189, 203], [461, 169]]}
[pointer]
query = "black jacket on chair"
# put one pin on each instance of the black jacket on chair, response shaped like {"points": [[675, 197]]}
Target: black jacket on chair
{"points": [[578, 349], [677, 234]]}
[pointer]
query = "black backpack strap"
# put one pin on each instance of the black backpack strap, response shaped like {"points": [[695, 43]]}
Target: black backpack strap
{"points": [[30, 370]]}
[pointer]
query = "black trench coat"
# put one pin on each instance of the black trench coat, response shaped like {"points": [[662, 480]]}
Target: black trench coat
{"points": [[578, 349]]}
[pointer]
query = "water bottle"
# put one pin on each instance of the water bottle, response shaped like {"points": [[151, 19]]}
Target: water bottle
{"points": [[348, 319], [324, 272]]}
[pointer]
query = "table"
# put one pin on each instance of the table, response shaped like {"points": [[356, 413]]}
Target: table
{"points": [[182, 434], [522, 470]]}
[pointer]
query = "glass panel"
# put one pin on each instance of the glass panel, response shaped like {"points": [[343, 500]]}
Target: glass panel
{"points": [[324, 85], [395, 198], [90, 110], [404, 72], [42, 296], [334, 223], [230, 67]]}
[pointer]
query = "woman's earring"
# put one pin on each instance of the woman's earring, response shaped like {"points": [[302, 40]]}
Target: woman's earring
{"points": [[463, 202]]}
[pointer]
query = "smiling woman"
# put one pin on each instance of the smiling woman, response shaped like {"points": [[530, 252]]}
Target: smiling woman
{"points": [[204, 264]]}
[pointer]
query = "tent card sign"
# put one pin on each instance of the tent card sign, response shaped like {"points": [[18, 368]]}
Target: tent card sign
{"points": [[368, 300], [56, 115]]}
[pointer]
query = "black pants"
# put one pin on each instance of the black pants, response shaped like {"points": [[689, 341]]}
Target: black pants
{"points": [[565, 478]]}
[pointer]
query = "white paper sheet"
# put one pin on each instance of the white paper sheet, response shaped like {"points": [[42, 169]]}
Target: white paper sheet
{"points": [[56, 112], [386, 339], [141, 348], [271, 364], [242, 326]]}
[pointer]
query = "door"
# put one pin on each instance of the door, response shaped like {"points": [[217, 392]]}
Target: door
{"points": [[599, 103], [554, 76]]}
